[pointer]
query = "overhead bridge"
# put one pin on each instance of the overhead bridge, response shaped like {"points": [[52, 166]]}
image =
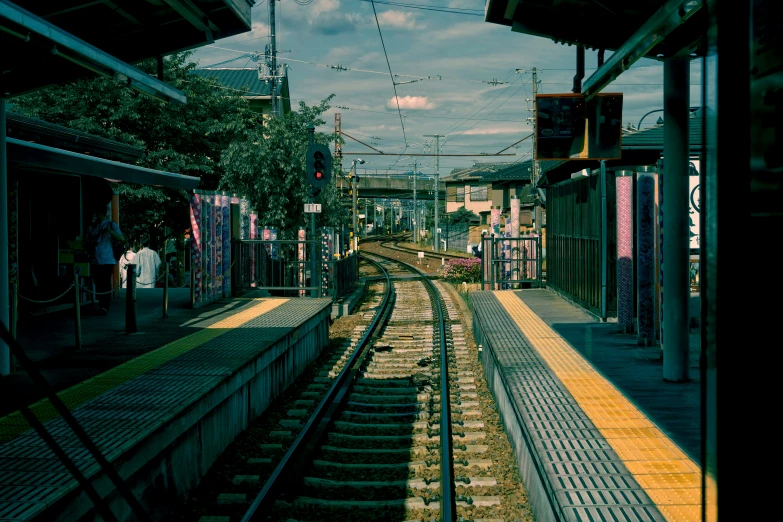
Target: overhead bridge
{"points": [[398, 186]]}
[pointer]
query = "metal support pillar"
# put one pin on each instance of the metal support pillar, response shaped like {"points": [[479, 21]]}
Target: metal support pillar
{"points": [[5, 353], [130, 300], [624, 219], [676, 290], [580, 69], [604, 242], [645, 255], [115, 216]]}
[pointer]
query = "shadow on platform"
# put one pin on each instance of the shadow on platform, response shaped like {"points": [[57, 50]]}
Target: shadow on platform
{"points": [[49, 339]]}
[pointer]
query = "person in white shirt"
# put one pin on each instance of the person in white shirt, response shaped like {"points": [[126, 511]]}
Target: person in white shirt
{"points": [[126, 259], [147, 266]]}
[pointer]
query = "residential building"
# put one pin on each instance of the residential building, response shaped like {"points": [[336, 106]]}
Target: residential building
{"points": [[486, 185]]}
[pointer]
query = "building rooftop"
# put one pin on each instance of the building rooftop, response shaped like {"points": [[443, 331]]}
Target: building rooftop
{"points": [[242, 80], [516, 171]]}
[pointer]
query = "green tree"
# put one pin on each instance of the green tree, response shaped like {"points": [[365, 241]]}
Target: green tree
{"points": [[463, 215], [268, 166], [185, 139]]}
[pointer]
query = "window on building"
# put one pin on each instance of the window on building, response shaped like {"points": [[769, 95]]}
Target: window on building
{"points": [[461, 193], [479, 193]]}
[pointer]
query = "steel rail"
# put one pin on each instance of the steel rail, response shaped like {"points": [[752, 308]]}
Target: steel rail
{"points": [[264, 501], [448, 498]]}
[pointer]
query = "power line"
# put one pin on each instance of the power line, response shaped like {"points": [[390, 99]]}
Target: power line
{"points": [[340, 67], [442, 9], [391, 75]]}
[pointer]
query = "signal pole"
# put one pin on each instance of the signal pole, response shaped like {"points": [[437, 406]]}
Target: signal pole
{"points": [[535, 161], [437, 174], [415, 220], [273, 44]]}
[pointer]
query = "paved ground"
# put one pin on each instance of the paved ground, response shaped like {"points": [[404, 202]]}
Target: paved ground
{"points": [[637, 371], [49, 339]]}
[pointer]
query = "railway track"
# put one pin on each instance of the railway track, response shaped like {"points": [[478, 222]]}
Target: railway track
{"points": [[390, 426], [392, 243]]}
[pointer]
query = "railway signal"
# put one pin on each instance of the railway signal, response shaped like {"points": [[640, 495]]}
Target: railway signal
{"points": [[318, 166]]}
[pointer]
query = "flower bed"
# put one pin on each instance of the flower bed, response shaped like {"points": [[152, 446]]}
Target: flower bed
{"points": [[462, 270]]}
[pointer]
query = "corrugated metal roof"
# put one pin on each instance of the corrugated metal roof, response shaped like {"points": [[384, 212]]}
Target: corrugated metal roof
{"points": [[243, 80], [517, 171], [653, 137]]}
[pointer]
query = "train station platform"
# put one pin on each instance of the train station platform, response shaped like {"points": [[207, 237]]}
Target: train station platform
{"points": [[162, 418], [597, 433]]}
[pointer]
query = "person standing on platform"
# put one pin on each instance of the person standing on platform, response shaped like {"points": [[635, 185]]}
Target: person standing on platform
{"points": [[147, 265], [127, 259], [101, 234]]}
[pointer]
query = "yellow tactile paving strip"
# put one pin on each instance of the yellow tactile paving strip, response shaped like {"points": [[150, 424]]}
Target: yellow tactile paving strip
{"points": [[667, 475], [14, 424]]}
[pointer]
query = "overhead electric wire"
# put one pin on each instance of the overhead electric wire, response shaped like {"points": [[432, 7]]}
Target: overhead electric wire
{"points": [[341, 68], [441, 9]]}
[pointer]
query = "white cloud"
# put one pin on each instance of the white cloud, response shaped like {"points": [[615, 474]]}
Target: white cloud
{"points": [[462, 30], [495, 130], [412, 103], [397, 19]]}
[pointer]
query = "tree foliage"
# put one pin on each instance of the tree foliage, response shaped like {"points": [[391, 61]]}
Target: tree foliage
{"points": [[268, 166], [185, 139], [463, 215], [215, 136]]}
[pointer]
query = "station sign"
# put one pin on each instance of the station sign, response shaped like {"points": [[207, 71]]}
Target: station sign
{"points": [[568, 127]]}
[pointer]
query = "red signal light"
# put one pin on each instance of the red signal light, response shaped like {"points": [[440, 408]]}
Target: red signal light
{"points": [[319, 175]]}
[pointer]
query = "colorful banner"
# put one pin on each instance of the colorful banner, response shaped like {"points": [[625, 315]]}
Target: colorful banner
{"points": [[196, 246], [253, 249], [515, 251], [218, 244], [507, 255], [300, 257], [275, 250], [327, 259], [225, 205], [624, 191], [645, 257]]}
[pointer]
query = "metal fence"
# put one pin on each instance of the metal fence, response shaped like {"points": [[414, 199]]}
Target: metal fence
{"points": [[511, 262], [284, 268], [456, 236]]}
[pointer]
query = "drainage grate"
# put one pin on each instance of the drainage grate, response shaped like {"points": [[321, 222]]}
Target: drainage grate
{"points": [[596, 482], [28, 493], [19, 510], [624, 513]]}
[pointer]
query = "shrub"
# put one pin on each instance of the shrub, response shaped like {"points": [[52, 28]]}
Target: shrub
{"points": [[459, 270]]}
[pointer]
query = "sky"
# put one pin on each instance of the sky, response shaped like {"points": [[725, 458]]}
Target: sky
{"points": [[455, 57]]}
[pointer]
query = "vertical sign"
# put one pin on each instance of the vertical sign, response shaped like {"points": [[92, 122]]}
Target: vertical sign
{"points": [[300, 257], [225, 205], [195, 260]]}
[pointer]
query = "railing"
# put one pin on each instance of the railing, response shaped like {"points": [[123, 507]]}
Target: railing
{"points": [[284, 268], [345, 274], [511, 262]]}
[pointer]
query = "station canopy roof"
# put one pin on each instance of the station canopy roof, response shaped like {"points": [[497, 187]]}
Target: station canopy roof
{"points": [[47, 41], [669, 26]]}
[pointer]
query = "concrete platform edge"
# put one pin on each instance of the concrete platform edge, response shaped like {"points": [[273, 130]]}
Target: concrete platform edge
{"points": [[171, 460], [543, 499], [346, 305]]}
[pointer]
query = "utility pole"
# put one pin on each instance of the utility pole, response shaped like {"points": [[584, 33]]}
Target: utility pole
{"points": [[354, 216], [534, 176], [535, 161], [273, 44], [415, 220], [437, 174]]}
